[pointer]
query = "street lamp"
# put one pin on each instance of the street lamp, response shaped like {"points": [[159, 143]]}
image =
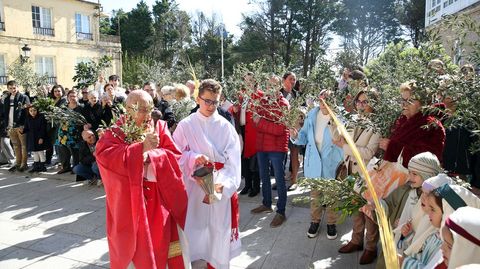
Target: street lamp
{"points": [[25, 53]]}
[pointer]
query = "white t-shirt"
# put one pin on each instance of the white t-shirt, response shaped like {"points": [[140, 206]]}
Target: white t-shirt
{"points": [[12, 109], [321, 124]]}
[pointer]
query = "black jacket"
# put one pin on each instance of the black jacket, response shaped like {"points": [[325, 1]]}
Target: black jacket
{"points": [[85, 155], [36, 128], [167, 112], [93, 115], [19, 111], [456, 154]]}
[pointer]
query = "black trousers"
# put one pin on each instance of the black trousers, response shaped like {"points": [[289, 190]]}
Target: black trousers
{"points": [[251, 173], [65, 154]]}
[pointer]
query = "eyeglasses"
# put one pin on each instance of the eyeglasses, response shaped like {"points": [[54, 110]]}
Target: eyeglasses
{"points": [[209, 102], [364, 102]]}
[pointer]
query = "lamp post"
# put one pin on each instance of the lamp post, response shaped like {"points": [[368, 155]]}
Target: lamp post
{"points": [[25, 53]]}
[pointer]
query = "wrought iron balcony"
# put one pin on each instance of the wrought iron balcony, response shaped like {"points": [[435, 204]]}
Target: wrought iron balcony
{"points": [[84, 36], [43, 31], [3, 80], [52, 80]]}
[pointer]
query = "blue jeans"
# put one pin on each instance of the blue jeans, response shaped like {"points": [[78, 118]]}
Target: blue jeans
{"points": [[276, 158], [86, 171]]}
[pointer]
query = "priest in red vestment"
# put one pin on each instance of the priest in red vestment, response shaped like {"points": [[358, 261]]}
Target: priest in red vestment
{"points": [[145, 195]]}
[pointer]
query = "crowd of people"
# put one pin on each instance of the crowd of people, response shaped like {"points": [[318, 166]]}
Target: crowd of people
{"points": [[433, 216]]}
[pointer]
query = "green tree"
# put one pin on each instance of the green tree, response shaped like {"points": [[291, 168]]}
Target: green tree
{"points": [[23, 73], [367, 26], [171, 31], [315, 23], [87, 72], [411, 14], [137, 29], [205, 48], [253, 44]]}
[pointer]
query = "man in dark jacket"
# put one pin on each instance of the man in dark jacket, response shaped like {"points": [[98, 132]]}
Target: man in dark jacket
{"points": [[87, 168], [14, 112]]}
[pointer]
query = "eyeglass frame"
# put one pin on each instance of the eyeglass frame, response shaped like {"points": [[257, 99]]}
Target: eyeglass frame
{"points": [[364, 102], [209, 102]]}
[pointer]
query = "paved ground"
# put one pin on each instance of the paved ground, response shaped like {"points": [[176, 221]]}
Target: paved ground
{"points": [[50, 221]]}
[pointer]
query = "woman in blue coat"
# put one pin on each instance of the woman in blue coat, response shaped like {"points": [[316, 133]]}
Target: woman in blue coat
{"points": [[322, 158]]}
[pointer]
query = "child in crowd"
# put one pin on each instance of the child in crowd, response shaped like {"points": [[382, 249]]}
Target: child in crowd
{"points": [[461, 238], [36, 130]]}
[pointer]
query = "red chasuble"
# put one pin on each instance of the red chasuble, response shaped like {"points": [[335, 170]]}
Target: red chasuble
{"points": [[142, 218]]}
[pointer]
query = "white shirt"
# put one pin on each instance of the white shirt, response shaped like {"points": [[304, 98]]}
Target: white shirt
{"points": [[12, 111], [320, 125]]}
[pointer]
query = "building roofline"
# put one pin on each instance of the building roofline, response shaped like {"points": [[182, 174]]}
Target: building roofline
{"points": [[89, 2]]}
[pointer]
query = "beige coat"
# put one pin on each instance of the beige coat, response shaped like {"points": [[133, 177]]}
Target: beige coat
{"points": [[367, 144]]}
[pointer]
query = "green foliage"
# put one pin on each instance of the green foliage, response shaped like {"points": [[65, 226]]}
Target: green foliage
{"points": [[44, 104], [23, 73], [366, 26], [129, 130], [343, 195], [171, 31], [465, 30], [137, 29], [87, 72], [411, 14], [63, 115]]}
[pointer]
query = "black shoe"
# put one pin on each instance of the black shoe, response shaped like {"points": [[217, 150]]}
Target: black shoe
{"points": [[331, 231], [313, 230], [253, 193], [22, 168], [274, 186], [34, 168], [42, 168], [13, 168], [245, 190]]}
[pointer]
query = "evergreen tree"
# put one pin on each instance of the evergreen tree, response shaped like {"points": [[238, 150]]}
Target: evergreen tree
{"points": [[137, 30]]}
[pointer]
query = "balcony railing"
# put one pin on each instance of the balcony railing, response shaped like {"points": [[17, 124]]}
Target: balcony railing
{"points": [[43, 31], [110, 38], [2, 26], [3, 80], [52, 80], [84, 36]]}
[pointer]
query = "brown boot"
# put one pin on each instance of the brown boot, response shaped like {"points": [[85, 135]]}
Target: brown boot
{"points": [[350, 247], [278, 220], [368, 256], [261, 209]]}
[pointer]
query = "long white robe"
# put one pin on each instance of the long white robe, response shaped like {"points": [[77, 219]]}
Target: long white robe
{"points": [[208, 227]]}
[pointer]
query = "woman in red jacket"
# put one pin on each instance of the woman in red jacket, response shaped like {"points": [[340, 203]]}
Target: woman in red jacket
{"points": [[413, 132]]}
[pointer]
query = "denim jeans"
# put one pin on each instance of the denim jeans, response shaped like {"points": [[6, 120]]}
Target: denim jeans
{"points": [[86, 171], [276, 158]]}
